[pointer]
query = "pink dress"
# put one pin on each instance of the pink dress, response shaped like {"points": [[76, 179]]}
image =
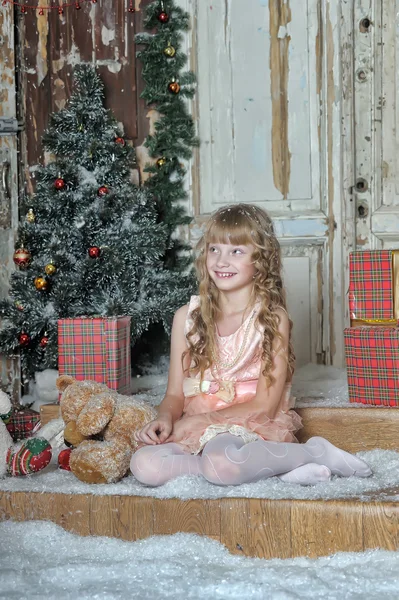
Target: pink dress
{"points": [[235, 384]]}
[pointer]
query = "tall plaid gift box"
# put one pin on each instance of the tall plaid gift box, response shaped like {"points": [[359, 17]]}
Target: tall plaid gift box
{"points": [[372, 340], [96, 348]]}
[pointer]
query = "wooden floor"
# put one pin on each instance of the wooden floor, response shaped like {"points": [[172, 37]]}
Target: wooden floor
{"points": [[250, 527]]}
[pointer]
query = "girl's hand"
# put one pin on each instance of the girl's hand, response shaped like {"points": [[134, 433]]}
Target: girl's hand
{"points": [[183, 427], [155, 432]]}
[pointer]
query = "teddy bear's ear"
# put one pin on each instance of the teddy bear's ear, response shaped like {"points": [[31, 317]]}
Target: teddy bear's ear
{"points": [[64, 381]]}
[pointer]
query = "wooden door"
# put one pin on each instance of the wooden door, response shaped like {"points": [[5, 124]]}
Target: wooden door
{"points": [[9, 368], [269, 101], [376, 100], [51, 45]]}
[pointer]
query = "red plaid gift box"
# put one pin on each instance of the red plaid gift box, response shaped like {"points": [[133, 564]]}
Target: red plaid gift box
{"points": [[374, 286], [23, 423], [96, 348], [372, 360]]}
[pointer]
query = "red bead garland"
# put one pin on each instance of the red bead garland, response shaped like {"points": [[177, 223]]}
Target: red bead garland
{"points": [[40, 9]]}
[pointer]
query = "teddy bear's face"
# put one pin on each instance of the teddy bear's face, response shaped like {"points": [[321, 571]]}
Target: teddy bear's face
{"points": [[75, 397]]}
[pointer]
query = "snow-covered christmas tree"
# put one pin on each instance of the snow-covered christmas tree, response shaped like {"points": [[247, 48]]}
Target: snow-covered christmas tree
{"points": [[90, 241]]}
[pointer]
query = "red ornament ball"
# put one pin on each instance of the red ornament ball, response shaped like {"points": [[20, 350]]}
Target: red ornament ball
{"points": [[163, 17], [22, 257], [103, 190], [24, 339], [63, 459], [59, 183], [44, 341], [120, 140], [94, 252]]}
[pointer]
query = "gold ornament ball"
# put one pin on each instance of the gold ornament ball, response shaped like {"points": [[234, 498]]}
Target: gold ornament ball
{"points": [[41, 283], [169, 51], [30, 216], [174, 87], [50, 269], [161, 162]]}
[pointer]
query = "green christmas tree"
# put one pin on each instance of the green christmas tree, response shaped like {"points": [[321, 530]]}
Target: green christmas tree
{"points": [[90, 241], [168, 86]]}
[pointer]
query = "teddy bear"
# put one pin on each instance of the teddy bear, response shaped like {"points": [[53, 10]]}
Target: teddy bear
{"points": [[99, 427], [30, 455]]}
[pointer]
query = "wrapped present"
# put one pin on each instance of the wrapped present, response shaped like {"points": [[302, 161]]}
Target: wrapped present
{"points": [[23, 423], [374, 287], [96, 348], [372, 360]]}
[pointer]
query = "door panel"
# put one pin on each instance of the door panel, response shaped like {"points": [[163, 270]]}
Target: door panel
{"points": [[9, 368], [376, 58], [269, 81]]}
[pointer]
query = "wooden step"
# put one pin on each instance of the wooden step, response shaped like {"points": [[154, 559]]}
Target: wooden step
{"points": [[247, 526], [352, 429]]}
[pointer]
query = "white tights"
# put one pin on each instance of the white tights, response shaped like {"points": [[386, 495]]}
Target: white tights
{"points": [[227, 460]]}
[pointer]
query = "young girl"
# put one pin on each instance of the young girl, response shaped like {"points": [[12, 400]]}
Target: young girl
{"points": [[227, 411]]}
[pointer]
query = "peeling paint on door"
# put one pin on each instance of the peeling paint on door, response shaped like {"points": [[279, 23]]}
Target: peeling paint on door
{"points": [[280, 17]]}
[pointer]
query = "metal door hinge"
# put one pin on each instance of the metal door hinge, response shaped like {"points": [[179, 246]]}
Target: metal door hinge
{"points": [[9, 126]]}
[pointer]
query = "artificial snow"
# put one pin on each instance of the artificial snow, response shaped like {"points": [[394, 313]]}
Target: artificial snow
{"points": [[41, 560], [384, 463], [318, 385], [42, 389]]}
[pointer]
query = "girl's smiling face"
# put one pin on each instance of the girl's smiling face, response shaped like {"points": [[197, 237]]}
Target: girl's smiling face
{"points": [[230, 266]]}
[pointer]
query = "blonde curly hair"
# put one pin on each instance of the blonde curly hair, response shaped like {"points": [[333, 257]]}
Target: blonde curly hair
{"points": [[240, 224]]}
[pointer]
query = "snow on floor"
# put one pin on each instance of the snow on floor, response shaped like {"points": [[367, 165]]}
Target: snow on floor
{"points": [[41, 560], [385, 465]]}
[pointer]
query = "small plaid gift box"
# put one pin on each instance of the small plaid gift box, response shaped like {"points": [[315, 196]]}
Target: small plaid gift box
{"points": [[372, 360], [23, 423], [374, 287], [96, 348]]}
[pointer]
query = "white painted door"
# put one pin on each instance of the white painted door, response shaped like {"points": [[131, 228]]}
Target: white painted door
{"points": [[376, 99], [9, 368], [269, 94]]}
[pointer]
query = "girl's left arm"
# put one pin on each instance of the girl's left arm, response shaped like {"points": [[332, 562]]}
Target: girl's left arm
{"points": [[267, 398]]}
